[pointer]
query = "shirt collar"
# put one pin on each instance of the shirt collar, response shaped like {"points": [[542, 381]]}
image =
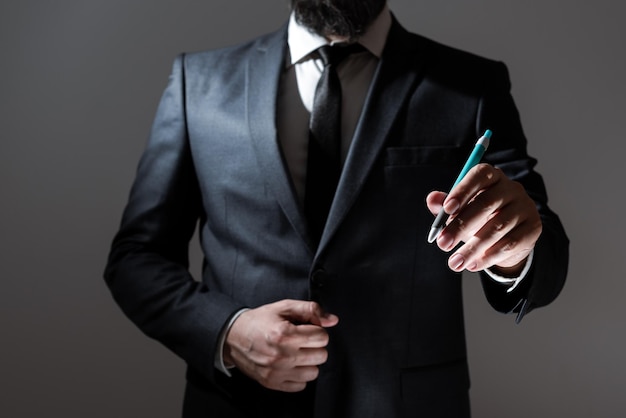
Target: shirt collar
{"points": [[302, 42]]}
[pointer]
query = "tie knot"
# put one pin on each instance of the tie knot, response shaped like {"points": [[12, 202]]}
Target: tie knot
{"points": [[334, 54]]}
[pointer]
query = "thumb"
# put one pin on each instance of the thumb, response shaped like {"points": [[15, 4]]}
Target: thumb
{"points": [[308, 312]]}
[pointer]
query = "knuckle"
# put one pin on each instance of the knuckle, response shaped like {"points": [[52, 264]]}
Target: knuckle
{"points": [[277, 334], [274, 338], [297, 387], [319, 357], [461, 226], [270, 360], [324, 337], [312, 374], [323, 356], [490, 205], [486, 171], [518, 187], [500, 224], [510, 245], [270, 383], [469, 249], [265, 376]]}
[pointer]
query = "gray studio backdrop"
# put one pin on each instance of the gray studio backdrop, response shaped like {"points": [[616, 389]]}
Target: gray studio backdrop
{"points": [[79, 84]]}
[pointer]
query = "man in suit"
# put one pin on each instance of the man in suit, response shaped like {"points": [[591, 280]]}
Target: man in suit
{"points": [[362, 318]]}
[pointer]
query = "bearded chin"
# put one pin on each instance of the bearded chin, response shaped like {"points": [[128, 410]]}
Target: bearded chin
{"points": [[343, 18]]}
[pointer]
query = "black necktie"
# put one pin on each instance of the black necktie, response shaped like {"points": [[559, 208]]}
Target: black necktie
{"points": [[324, 159]]}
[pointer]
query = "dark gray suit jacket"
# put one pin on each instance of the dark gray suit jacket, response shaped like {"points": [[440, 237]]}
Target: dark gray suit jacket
{"points": [[213, 158]]}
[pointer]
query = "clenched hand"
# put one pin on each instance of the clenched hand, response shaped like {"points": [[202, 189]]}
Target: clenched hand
{"points": [[280, 345]]}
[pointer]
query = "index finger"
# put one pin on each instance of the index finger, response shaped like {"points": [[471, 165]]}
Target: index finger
{"points": [[481, 177], [309, 336], [307, 312]]}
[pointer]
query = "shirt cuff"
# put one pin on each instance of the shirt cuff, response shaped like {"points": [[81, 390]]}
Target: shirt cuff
{"points": [[513, 281], [219, 354]]}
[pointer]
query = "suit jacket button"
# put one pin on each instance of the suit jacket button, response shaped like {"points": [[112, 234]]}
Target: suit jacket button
{"points": [[319, 278]]}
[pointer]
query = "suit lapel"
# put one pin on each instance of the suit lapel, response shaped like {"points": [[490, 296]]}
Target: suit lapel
{"points": [[397, 74], [264, 68]]}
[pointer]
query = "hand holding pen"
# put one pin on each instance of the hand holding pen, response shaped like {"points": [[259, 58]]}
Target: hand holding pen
{"points": [[492, 215]]}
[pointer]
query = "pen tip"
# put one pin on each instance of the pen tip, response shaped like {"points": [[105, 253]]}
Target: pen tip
{"points": [[487, 134], [432, 235]]}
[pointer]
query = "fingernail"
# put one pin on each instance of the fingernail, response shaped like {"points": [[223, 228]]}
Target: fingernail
{"points": [[451, 206], [445, 241], [456, 262]]}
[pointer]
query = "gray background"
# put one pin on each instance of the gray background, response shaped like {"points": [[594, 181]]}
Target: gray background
{"points": [[79, 84]]}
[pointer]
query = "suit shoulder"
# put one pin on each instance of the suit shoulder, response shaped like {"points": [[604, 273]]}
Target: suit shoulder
{"points": [[230, 57], [454, 66]]}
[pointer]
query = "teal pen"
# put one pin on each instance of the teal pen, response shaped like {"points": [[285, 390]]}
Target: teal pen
{"points": [[472, 160]]}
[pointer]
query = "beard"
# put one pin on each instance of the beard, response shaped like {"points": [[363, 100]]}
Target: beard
{"points": [[343, 18]]}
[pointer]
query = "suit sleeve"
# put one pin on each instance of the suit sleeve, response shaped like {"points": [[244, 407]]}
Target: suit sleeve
{"points": [[147, 270], [508, 152]]}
